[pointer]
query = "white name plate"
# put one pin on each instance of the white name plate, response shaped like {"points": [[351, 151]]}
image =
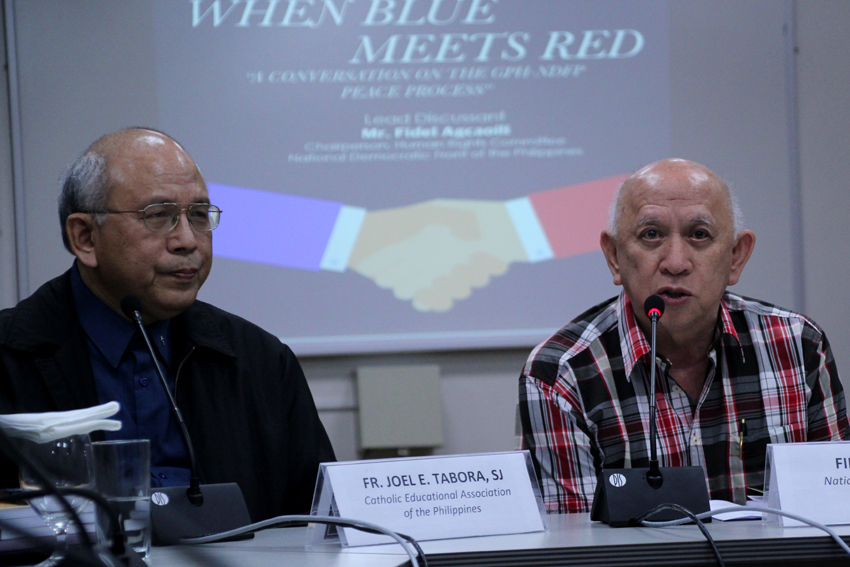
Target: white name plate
{"points": [[432, 497], [809, 479]]}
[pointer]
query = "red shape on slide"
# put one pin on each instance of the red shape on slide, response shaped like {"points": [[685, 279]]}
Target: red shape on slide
{"points": [[573, 217]]}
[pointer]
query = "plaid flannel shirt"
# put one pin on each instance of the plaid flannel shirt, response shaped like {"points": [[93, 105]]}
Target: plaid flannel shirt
{"points": [[583, 400]]}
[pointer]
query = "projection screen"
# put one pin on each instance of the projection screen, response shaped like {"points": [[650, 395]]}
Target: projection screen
{"points": [[412, 174]]}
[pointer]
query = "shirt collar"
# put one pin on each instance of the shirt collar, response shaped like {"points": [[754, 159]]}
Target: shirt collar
{"points": [[726, 326], [108, 331], [633, 343]]}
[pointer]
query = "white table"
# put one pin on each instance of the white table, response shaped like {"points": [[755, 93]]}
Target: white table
{"points": [[571, 540]]}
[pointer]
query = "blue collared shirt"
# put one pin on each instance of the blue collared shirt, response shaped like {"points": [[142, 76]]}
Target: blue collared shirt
{"points": [[124, 372]]}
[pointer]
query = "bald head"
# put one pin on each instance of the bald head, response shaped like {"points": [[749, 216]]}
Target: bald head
{"points": [[107, 161], [116, 142], [130, 141], [675, 234], [673, 170]]}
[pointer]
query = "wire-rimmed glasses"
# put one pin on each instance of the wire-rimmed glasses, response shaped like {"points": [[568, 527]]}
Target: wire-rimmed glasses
{"points": [[163, 217]]}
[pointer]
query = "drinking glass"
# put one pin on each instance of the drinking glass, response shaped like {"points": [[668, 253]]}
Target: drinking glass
{"points": [[66, 463], [122, 476]]}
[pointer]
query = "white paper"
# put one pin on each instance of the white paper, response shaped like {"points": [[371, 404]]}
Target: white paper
{"points": [[48, 426], [741, 514]]}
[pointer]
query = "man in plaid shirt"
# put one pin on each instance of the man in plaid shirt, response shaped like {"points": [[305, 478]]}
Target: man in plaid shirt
{"points": [[733, 374]]}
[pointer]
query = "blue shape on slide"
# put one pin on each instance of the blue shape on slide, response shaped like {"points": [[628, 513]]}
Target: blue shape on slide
{"points": [[272, 228]]}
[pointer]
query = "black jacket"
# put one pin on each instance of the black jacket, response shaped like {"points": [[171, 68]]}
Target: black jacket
{"points": [[241, 391]]}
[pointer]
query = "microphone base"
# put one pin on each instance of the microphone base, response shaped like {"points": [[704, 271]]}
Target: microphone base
{"points": [[629, 496], [173, 517]]}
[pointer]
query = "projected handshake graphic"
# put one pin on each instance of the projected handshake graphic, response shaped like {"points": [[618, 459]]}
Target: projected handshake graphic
{"points": [[432, 253], [437, 252]]}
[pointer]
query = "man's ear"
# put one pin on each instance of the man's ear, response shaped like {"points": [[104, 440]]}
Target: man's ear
{"points": [[609, 248], [741, 251], [81, 230]]}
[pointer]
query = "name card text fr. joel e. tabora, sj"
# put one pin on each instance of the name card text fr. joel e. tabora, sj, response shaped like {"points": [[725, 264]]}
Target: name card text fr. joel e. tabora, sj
{"points": [[433, 497]]}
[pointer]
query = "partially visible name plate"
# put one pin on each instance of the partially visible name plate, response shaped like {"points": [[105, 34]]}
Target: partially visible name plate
{"points": [[809, 479], [432, 497]]}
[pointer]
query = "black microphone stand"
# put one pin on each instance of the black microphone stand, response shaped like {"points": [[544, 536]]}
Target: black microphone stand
{"points": [[193, 493], [653, 476], [624, 496], [178, 513]]}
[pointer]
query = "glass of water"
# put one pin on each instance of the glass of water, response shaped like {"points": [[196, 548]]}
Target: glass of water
{"points": [[123, 477], [65, 463]]}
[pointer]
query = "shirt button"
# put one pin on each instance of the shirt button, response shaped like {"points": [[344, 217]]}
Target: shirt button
{"points": [[143, 382]]}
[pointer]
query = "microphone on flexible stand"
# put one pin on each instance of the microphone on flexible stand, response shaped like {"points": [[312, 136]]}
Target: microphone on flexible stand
{"points": [[131, 306], [623, 496], [654, 309], [184, 512]]}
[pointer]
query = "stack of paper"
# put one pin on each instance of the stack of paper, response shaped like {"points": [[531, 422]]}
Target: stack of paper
{"points": [[741, 514]]}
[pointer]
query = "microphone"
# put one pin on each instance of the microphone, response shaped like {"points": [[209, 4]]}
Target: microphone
{"points": [[654, 309], [624, 496], [183, 512], [131, 306]]}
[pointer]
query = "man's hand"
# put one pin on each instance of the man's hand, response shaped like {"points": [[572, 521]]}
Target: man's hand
{"points": [[436, 252]]}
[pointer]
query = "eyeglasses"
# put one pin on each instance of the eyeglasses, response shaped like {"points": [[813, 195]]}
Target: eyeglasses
{"points": [[163, 217]]}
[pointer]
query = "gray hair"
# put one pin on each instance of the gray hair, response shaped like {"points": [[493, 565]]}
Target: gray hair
{"points": [[84, 189], [615, 210]]}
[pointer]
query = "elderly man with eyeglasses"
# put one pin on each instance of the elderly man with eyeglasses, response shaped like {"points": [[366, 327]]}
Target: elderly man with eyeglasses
{"points": [[136, 215]]}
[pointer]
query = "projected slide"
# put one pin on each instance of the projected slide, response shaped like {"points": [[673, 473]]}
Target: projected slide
{"points": [[432, 253], [412, 174]]}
